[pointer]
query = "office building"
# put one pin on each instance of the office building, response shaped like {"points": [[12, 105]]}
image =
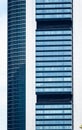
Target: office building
{"points": [[54, 65], [16, 115]]}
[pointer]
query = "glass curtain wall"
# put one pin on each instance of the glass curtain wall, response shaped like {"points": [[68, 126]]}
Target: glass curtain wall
{"points": [[54, 65], [16, 64]]}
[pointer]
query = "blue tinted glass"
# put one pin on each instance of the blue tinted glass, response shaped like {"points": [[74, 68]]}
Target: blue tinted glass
{"points": [[53, 1], [16, 64]]}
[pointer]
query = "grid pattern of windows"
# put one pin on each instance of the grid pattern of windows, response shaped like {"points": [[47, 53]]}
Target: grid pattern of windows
{"points": [[54, 65], [54, 61], [16, 64], [54, 116], [53, 9]]}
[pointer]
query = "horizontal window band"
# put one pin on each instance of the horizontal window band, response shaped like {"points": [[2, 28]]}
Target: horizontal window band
{"points": [[20, 43], [54, 13], [21, 13], [16, 121], [53, 8], [52, 16], [54, 114], [54, 40], [12, 116], [14, 47], [56, 8], [53, 105], [17, 118], [54, 85], [60, 119], [54, 61], [11, 73], [15, 91], [15, 30], [14, 101], [56, 105], [17, 42], [53, 5], [52, 71], [54, 82], [53, 50], [20, 87], [39, 1], [15, 17], [53, 110], [54, 35], [53, 58], [16, 23], [16, 55], [16, 5], [53, 44], [13, 87], [17, 46], [54, 2], [49, 11], [10, 32], [16, 61], [53, 30], [53, 66], [15, 34], [54, 76], [55, 125], [50, 35], [44, 109], [13, 79], [16, 107], [21, 1], [15, 26], [12, 65], [54, 90], [19, 112], [55, 55], [12, 10], [16, 20], [16, 39]]}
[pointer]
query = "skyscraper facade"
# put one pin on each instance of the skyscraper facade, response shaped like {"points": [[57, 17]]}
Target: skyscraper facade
{"points": [[54, 65], [16, 117]]}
